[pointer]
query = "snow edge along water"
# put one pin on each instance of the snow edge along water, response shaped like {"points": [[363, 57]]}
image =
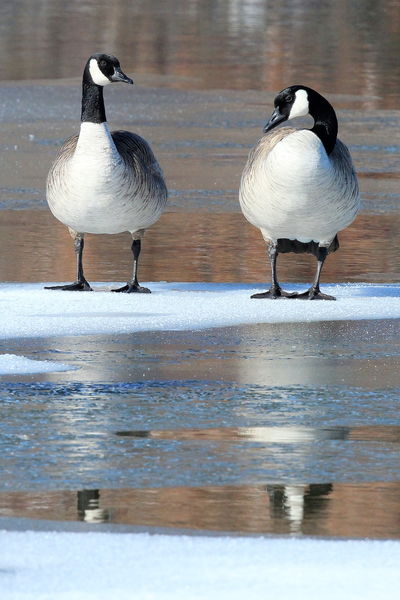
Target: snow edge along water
{"points": [[30, 311]]}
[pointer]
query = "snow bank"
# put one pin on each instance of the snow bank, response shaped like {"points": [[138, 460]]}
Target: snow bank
{"points": [[27, 310], [10, 364], [101, 566]]}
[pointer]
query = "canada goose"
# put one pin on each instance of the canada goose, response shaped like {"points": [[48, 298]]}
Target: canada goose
{"points": [[299, 186], [104, 182]]}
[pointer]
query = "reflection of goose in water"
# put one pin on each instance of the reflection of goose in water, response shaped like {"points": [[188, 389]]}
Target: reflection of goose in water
{"points": [[295, 503], [89, 507], [290, 434]]}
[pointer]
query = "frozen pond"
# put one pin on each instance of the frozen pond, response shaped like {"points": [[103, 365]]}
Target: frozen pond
{"points": [[279, 424]]}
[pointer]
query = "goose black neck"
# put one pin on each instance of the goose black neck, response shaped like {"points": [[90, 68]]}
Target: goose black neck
{"points": [[325, 121], [93, 110]]}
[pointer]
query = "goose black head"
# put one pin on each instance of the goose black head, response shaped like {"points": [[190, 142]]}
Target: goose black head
{"points": [[102, 69], [299, 101], [291, 102]]}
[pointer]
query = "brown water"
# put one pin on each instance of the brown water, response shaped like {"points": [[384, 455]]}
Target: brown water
{"points": [[216, 248], [347, 47], [231, 429]]}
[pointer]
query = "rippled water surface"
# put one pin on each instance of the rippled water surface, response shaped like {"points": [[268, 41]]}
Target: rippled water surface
{"points": [[289, 428]]}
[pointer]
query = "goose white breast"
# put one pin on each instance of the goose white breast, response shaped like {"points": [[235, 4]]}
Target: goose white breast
{"points": [[298, 192]]}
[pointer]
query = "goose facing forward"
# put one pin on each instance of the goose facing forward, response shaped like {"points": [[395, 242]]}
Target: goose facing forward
{"points": [[102, 181], [299, 186]]}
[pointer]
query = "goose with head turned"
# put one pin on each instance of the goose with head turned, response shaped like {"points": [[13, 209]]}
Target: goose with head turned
{"points": [[102, 181], [299, 186]]}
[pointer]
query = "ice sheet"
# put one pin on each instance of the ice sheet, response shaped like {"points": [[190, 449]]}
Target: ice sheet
{"points": [[27, 310], [100, 566], [10, 364]]}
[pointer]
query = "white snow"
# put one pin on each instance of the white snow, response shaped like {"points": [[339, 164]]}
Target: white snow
{"points": [[28, 310], [11, 364], [103, 566]]}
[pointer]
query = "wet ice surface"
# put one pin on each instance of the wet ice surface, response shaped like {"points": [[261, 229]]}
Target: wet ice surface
{"points": [[275, 427]]}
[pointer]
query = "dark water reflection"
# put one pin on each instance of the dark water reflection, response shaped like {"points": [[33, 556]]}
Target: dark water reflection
{"points": [[348, 47], [324, 509]]}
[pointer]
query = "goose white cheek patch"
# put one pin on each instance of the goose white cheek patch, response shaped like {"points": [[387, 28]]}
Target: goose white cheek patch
{"points": [[300, 106], [97, 76]]}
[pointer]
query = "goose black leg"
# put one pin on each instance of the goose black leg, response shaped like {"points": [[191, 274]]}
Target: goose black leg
{"points": [[314, 293], [275, 291], [80, 285], [133, 286]]}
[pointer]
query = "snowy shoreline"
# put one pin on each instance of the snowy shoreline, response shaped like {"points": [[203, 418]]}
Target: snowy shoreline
{"points": [[46, 565]]}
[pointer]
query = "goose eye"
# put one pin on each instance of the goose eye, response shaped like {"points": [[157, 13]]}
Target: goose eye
{"points": [[103, 63], [289, 99]]}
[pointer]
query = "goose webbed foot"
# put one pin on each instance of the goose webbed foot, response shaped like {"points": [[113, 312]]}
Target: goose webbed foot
{"points": [[314, 294], [80, 285], [273, 293], [133, 288], [77, 286]]}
